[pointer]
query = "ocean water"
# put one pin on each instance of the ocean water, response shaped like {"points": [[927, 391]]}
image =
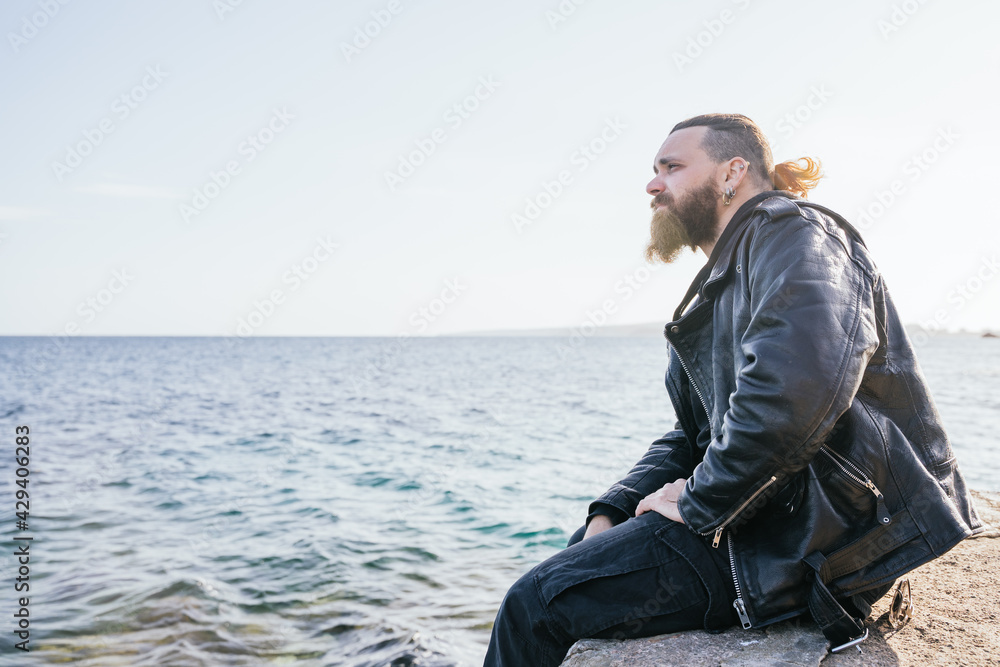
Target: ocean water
{"points": [[362, 502]]}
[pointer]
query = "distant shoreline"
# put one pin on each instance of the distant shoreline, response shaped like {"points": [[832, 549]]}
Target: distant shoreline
{"points": [[651, 328], [637, 330]]}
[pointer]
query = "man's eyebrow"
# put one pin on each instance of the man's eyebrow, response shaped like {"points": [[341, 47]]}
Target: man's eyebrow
{"points": [[665, 160]]}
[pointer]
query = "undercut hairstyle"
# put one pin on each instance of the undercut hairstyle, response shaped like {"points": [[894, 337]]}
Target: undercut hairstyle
{"points": [[732, 135]]}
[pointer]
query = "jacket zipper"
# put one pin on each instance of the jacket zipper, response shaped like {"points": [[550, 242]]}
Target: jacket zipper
{"points": [[722, 526], [862, 479], [738, 604], [692, 383]]}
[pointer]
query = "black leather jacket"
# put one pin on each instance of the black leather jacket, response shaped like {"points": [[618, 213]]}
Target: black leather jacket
{"points": [[824, 435]]}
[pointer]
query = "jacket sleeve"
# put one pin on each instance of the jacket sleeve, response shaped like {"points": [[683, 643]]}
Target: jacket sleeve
{"points": [[667, 459], [799, 362]]}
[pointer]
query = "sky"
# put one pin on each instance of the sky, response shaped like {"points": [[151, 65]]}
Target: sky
{"points": [[390, 167]]}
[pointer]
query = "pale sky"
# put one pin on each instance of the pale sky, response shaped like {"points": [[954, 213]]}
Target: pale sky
{"points": [[374, 181]]}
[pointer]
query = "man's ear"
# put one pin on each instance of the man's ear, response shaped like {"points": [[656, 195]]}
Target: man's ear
{"points": [[734, 171]]}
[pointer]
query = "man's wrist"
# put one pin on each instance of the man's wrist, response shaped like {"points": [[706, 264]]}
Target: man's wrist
{"points": [[613, 513], [598, 524]]}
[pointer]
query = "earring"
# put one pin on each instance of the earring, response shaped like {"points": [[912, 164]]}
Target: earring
{"points": [[727, 197]]}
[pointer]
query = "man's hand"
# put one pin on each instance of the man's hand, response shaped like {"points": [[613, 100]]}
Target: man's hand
{"points": [[598, 524], [663, 501]]}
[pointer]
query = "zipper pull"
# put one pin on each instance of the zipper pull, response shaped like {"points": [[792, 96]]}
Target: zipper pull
{"points": [[741, 611], [881, 511], [718, 537]]}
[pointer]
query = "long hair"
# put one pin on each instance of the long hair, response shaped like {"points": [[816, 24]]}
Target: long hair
{"points": [[732, 135]]}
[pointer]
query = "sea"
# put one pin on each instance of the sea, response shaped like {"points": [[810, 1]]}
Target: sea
{"points": [[331, 501]]}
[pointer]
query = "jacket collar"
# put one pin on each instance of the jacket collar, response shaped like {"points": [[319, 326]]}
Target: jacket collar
{"points": [[717, 266]]}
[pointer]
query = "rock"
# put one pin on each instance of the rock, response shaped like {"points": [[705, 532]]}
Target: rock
{"points": [[781, 644], [956, 622]]}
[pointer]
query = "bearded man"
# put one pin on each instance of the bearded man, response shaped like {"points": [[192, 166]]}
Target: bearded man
{"points": [[808, 468]]}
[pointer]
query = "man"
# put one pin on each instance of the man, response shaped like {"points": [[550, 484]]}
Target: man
{"points": [[808, 468]]}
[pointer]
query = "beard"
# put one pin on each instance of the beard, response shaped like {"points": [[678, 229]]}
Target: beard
{"points": [[681, 224]]}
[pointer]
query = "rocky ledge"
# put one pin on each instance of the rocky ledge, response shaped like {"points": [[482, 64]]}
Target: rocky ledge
{"points": [[956, 621]]}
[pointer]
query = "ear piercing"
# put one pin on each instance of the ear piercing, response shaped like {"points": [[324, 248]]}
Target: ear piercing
{"points": [[727, 196]]}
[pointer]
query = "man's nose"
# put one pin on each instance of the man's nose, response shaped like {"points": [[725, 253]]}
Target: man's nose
{"points": [[654, 187]]}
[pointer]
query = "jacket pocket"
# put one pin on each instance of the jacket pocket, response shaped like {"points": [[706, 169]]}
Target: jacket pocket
{"points": [[627, 547], [786, 503], [860, 479]]}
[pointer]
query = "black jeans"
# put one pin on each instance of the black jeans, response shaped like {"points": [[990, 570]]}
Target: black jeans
{"points": [[646, 576]]}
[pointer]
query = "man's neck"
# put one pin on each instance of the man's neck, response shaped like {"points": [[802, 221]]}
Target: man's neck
{"points": [[726, 214]]}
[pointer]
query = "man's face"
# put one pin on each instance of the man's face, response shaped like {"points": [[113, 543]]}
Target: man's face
{"points": [[685, 196]]}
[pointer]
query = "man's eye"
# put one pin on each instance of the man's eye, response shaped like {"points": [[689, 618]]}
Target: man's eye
{"points": [[672, 165]]}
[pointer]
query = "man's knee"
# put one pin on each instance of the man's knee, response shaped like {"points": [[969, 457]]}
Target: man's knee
{"points": [[521, 600], [522, 633], [523, 616]]}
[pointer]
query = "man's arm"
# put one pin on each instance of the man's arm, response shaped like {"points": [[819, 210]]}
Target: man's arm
{"points": [[667, 459], [809, 339]]}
